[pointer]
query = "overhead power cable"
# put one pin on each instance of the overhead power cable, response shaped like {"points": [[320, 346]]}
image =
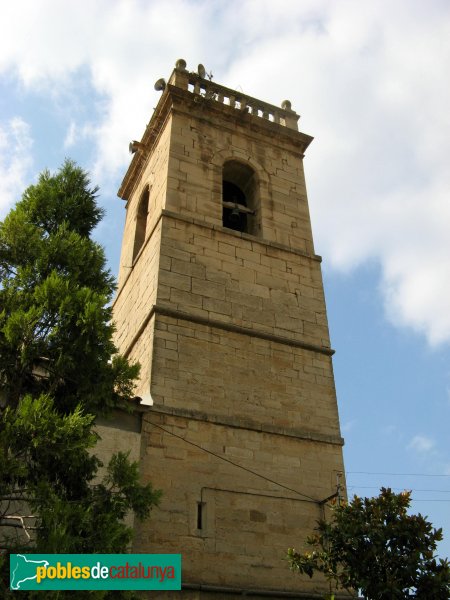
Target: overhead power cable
{"points": [[398, 474], [233, 463], [376, 487], [429, 500]]}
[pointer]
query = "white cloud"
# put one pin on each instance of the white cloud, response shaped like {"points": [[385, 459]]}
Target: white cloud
{"points": [[373, 91], [71, 135], [76, 133], [371, 88], [15, 161], [422, 444]]}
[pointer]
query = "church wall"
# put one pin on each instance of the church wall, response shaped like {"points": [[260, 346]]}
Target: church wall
{"points": [[230, 374], [217, 273], [154, 176], [134, 300], [119, 432], [232, 335], [247, 522], [203, 141]]}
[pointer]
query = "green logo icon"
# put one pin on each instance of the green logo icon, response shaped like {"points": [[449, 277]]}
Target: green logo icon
{"points": [[95, 572]]}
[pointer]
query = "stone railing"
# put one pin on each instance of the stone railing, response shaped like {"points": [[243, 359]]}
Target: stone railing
{"points": [[210, 90]]}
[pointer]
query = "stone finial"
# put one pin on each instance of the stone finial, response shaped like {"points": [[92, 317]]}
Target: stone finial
{"points": [[180, 76], [290, 119]]}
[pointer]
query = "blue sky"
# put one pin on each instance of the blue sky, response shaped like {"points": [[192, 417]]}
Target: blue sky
{"points": [[370, 80]]}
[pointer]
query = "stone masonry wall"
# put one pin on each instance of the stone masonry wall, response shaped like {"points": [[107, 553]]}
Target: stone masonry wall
{"points": [[155, 176], [232, 335], [135, 299], [243, 377], [247, 522], [221, 274], [201, 142]]}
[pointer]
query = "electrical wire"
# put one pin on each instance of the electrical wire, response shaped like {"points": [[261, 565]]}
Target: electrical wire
{"points": [[398, 474], [376, 487], [428, 500], [232, 462], [412, 490]]}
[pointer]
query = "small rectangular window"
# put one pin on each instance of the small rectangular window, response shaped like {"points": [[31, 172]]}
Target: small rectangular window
{"points": [[200, 515]]}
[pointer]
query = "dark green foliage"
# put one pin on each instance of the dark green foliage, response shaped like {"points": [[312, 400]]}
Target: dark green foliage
{"points": [[54, 296], [59, 368], [375, 546]]}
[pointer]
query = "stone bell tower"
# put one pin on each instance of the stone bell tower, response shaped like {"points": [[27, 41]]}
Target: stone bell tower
{"points": [[221, 301]]}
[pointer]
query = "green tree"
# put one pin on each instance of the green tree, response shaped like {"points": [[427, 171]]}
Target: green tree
{"points": [[375, 546], [59, 369]]}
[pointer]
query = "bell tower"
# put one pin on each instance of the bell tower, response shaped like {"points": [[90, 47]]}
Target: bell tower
{"points": [[221, 300]]}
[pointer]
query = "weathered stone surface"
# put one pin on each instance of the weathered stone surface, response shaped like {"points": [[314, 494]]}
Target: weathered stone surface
{"points": [[232, 335]]}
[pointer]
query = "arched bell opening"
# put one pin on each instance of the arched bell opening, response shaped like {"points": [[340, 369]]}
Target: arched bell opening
{"points": [[141, 222], [239, 191]]}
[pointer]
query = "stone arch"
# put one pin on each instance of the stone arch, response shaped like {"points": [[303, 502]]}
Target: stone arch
{"points": [[252, 188], [141, 221]]}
